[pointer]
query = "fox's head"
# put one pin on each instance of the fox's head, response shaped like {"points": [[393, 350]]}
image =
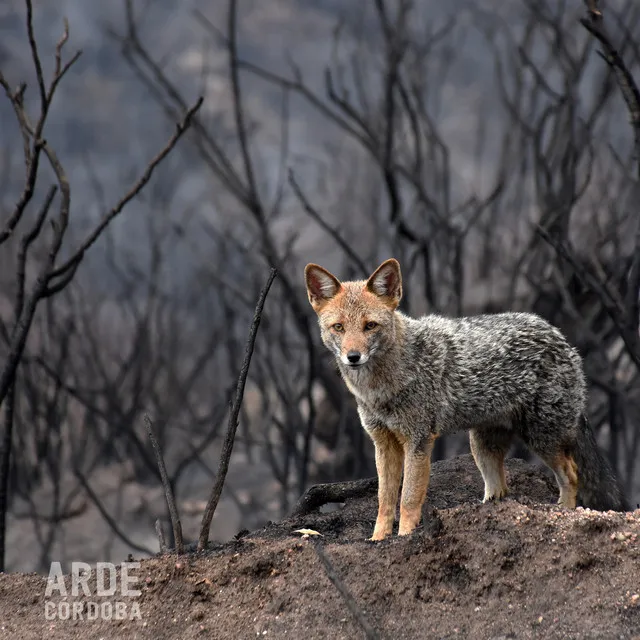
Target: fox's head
{"points": [[357, 319]]}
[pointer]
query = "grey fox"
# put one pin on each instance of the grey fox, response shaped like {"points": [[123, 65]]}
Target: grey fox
{"points": [[497, 376]]}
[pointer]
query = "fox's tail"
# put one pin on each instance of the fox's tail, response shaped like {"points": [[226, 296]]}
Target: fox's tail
{"points": [[598, 485]]}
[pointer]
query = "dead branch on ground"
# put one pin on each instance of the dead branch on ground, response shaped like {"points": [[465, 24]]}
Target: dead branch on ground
{"points": [[355, 610], [318, 495]]}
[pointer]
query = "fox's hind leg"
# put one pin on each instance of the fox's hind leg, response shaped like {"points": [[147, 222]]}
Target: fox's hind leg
{"points": [[565, 469], [553, 445], [489, 447]]}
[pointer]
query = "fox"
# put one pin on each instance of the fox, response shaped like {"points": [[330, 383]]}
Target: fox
{"points": [[498, 376]]}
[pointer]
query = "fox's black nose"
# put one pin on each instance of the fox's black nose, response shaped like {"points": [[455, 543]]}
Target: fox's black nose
{"points": [[353, 357]]}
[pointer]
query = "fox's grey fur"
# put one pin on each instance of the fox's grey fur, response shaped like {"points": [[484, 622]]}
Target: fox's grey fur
{"points": [[497, 376], [501, 375]]}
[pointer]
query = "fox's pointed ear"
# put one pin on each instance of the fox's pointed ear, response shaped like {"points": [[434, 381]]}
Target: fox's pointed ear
{"points": [[386, 282], [321, 285]]}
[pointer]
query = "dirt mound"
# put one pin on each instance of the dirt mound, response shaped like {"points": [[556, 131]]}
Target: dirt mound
{"points": [[517, 569]]}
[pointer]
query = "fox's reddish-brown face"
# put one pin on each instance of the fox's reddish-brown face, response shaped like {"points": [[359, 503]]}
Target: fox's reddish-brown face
{"points": [[356, 318]]}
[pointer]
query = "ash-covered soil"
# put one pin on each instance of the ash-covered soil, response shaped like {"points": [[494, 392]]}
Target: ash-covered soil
{"points": [[522, 568]]}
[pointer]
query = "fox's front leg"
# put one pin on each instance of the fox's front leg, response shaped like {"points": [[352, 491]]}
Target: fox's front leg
{"points": [[417, 468], [389, 468]]}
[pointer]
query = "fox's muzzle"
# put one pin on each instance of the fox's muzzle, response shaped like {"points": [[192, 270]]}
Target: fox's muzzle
{"points": [[354, 358]]}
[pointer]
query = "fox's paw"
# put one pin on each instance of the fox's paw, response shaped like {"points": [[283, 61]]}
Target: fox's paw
{"points": [[409, 518], [495, 496], [567, 502], [379, 535]]}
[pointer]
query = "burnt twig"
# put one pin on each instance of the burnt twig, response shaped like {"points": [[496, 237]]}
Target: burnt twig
{"points": [[332, 231], [93, 496], [369, 632], [320, 494], [76, 257], [160, 534], [227, 446], [628, 87], [168, 491]]}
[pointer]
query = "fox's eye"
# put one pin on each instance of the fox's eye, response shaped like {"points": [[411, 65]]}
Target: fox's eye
{"points": [[338, 326], [370, 325]]}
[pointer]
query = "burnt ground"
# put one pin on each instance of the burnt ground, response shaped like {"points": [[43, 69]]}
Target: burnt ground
{"points": [[522, 568]]}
